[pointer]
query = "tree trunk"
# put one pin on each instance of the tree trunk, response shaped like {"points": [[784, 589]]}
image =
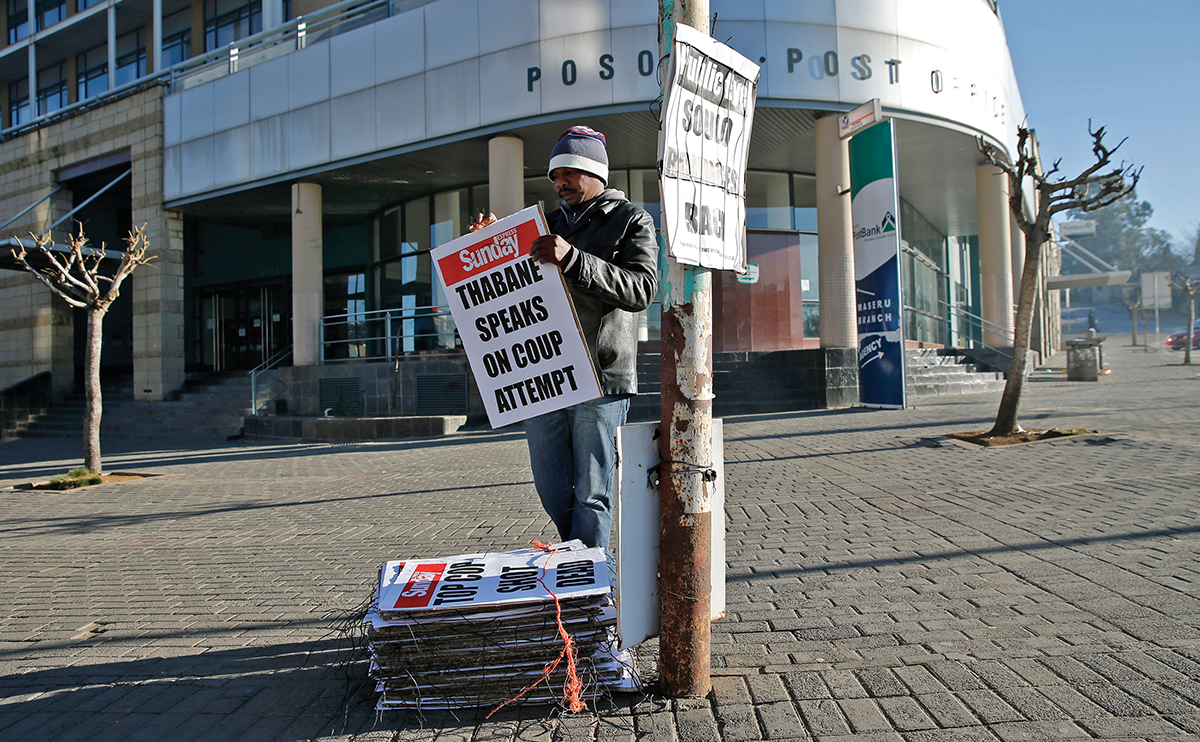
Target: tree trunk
{"points": [[91, 381], [1191, 332], [1133, 326], [1010, 401]]}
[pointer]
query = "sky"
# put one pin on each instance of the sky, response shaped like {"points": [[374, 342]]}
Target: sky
{"points": [[1132, 67]]}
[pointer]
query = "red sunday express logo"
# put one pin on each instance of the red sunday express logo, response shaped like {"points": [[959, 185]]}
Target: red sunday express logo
{"points": [[482, 256], [419, 590]]}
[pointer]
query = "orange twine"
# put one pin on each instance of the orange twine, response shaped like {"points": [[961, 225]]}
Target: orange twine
{"points": [[573, 687]]}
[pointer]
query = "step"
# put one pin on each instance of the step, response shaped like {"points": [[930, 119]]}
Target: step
{"points": [[210, 409]]}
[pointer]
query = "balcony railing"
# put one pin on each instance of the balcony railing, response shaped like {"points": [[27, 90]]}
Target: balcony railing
{"points": [[237, 55], [386, 334]]}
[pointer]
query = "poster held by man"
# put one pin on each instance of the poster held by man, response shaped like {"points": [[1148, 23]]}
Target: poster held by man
{"points": [[516, 321]]}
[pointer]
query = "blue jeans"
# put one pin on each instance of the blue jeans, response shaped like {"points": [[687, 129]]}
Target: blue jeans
{"points": [[573, 453]]}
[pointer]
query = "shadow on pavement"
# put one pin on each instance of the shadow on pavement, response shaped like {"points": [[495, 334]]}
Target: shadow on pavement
{"points": [[305, 689], [16, 460], [948, 555], [77, 524]]}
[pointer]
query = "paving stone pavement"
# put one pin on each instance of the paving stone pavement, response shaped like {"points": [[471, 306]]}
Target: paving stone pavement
{"points": [[884, 583]]}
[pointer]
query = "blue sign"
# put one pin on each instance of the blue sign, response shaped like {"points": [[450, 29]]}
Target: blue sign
{"points": [[875, 206]]}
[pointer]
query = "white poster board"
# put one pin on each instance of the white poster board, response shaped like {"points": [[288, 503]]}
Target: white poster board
{"points": [[708, 109], [491, 579], [1156, 290], [516, 321], [638, 532]]}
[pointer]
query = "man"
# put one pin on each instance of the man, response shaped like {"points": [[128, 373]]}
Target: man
{"points": [[607, 250]]}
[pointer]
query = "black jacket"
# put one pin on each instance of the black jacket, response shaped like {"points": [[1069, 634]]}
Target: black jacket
{"points": [[614, 278]]}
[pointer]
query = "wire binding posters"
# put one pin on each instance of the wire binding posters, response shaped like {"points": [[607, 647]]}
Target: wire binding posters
{"points": [[516, 321], [708, 109]]}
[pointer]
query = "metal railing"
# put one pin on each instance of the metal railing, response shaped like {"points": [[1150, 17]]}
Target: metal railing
{"points": [[959, 317], [236, 55], [278, 41], [385, 334], [262, 368]]}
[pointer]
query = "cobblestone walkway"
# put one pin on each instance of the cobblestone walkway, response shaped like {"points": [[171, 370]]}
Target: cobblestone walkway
{"points": [[884, 583]]}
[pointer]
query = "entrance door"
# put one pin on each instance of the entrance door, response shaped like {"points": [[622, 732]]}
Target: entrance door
{"points": [[244, 327]]}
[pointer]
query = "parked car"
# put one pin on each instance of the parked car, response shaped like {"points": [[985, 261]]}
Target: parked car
{"points": [[1175, 340]]}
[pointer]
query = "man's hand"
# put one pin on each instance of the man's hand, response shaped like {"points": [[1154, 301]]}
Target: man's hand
{"points": [[480, 221], [550, 248]]}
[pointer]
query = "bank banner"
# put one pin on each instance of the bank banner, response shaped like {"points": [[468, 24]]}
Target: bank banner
{"points": [[708, 109], [516, 321], [875, 206]]}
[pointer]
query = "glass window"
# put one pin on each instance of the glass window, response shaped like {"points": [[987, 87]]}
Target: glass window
{"points": [[49, 12], [52, 88], [924, 276], [921, 235], [810, 285], [226, 21], [91, 72], [643, 191], [539, 190], [346, 330], [131, 57], [768, 201], [451, 214], [480, 199], [416, 223], [18, 103], [81, 5], [804, 203], [177, 38], [18, 20], [389, 235]]}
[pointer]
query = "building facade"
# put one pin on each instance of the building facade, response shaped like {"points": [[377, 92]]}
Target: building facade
{"points": [[295, 162]]}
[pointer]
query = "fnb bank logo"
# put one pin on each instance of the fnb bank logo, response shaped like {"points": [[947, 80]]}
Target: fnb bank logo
{"points": [[419, 590], [488, 253], [887, 225]]}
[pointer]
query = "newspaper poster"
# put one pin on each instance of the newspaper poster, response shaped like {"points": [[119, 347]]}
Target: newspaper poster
{"points": [[708, 109], [494, 579], [516, 321]]}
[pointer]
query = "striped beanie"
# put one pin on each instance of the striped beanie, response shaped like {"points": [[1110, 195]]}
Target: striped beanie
{"points": [[581, 148]]}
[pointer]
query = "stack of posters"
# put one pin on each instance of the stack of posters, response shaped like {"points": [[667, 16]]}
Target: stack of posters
{"points": [[481, 629]]}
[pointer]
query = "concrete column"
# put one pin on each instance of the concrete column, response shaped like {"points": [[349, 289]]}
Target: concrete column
{"points": [[272, 11], [835, 242], [111, 44], [158, 315], [506, 175], [308, 284], [32, 63], [995, 253], [156, 37]]}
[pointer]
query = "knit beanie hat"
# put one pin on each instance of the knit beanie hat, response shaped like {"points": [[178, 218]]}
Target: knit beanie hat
{"points": [[581, 148]]}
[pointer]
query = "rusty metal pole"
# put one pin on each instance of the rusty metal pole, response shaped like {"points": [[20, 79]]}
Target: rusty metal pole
{"points": [[685, 447]]}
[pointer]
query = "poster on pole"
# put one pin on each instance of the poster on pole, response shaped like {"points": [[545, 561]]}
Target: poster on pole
{"points": [[516, 321], [707, 112], [875, 209]]}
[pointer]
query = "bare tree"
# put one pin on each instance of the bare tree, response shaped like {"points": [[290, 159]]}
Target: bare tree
{"points": [[1133, 302], [75, 275], [1188, 286], [1094, 188]]}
